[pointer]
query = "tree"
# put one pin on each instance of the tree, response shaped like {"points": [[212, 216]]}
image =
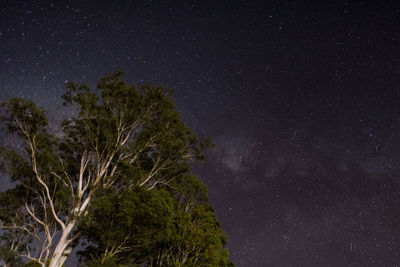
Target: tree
{"points": [[152, 228], [123, 144]]}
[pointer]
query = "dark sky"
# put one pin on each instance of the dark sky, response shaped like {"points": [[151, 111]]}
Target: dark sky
{"points": [[301, 99]]}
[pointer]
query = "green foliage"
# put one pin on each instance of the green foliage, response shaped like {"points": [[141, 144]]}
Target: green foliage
{"points": [[127, 226], [118, 174], [151, 227], [197, 239], [24, 112]]}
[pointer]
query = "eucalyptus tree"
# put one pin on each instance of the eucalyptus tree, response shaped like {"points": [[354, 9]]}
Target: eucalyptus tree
{"points": [[120, 139]]}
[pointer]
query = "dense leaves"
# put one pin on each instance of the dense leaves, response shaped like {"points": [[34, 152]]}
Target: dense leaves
{"points": [[150, 227], [116, 181]]}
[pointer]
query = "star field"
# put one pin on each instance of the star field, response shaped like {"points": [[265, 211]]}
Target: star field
{"points": [[301, 100]]}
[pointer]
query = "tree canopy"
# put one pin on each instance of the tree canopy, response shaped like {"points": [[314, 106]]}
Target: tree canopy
{"points": [[115, 184]]}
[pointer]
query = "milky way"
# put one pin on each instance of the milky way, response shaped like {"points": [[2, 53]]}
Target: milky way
{"points": [[301, 100]]}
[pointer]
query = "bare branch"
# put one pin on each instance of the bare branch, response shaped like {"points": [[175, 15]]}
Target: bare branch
{"points": [[32, 146]]}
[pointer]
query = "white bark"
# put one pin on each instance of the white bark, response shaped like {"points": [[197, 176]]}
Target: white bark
{"points": [[61, 252]]}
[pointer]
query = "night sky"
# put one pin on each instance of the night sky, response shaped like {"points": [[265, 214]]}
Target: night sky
{"points": [[301, 100]]}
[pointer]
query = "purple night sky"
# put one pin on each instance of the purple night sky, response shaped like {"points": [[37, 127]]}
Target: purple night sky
{"points": [[301, 99]]}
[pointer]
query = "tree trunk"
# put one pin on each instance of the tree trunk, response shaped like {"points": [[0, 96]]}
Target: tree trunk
{"points": [[61, 252]]}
